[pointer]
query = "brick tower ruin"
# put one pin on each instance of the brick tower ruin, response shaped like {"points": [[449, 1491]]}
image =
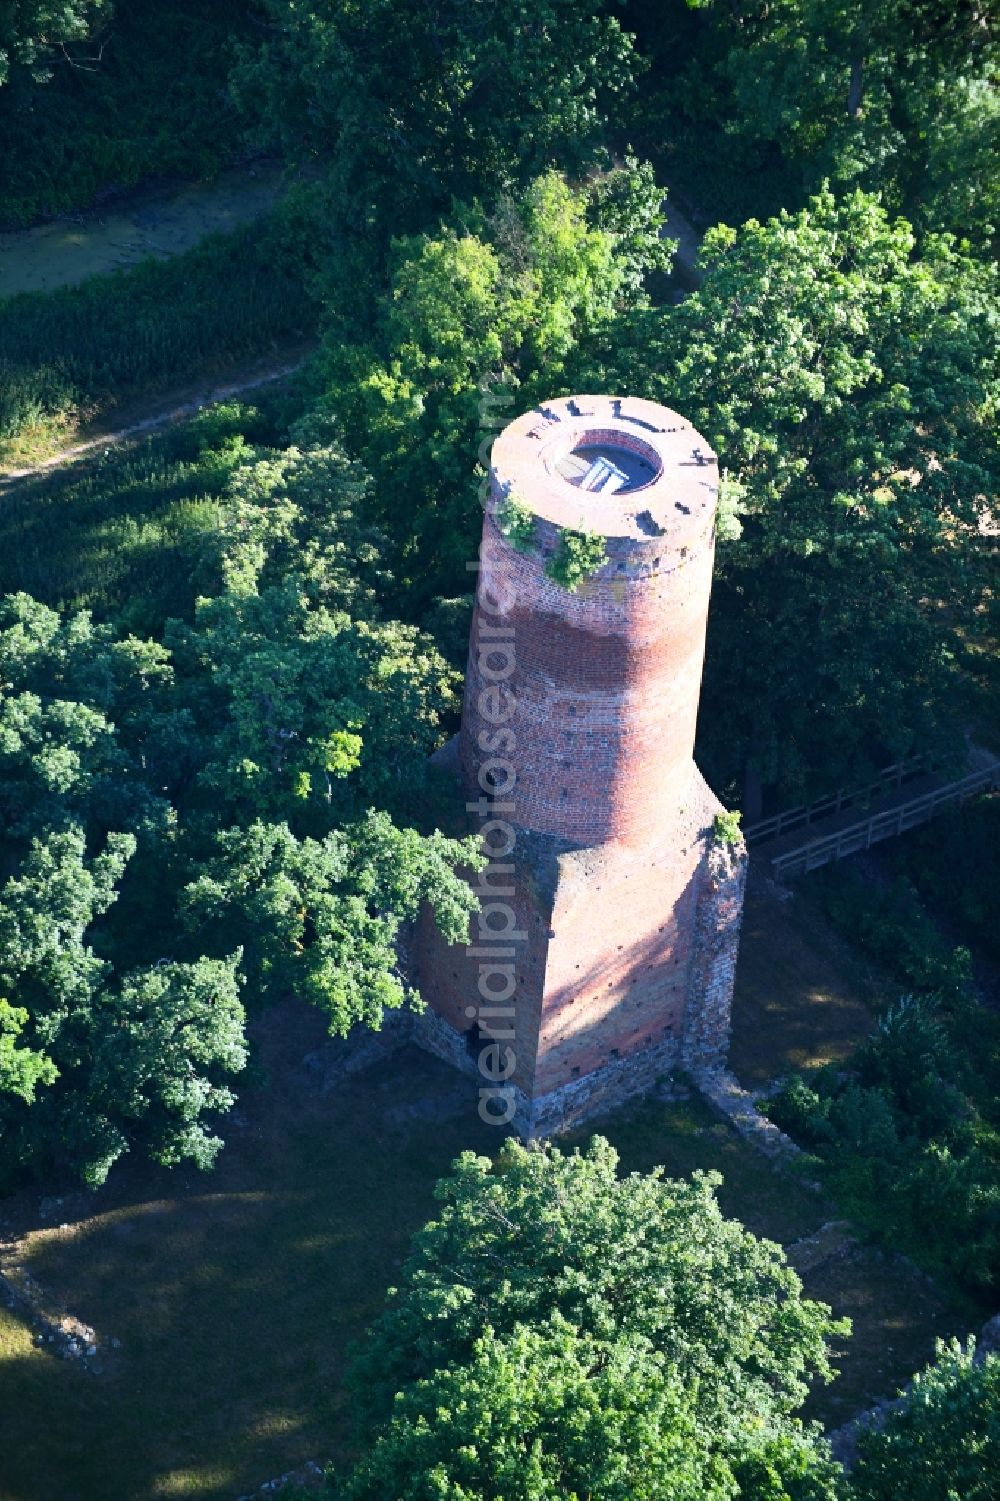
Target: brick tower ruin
{"points": [[603, 956]]}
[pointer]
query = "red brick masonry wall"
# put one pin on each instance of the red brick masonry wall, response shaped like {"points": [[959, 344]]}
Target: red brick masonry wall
{"points": [[579, 719]]}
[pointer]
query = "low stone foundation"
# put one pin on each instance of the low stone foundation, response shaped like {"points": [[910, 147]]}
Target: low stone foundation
{"points": [[726, 1095], [432, 1033], [600, 1091]]}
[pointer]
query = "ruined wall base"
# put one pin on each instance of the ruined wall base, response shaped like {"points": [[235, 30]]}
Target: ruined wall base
{"points": [[597, 1093], [432, 1033], [562, 1109]]}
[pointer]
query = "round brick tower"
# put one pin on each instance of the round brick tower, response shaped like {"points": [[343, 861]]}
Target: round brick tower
{"points": [[606, 677], [604, 950]]}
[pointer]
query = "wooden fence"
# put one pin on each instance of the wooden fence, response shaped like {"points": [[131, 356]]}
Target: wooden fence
{"points": [[836, 802], [868, 831]]}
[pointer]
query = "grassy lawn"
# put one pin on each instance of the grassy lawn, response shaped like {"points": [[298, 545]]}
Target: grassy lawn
{"points": [[897, 1312], [683, 1137], [235, 1295], [802, 998]]}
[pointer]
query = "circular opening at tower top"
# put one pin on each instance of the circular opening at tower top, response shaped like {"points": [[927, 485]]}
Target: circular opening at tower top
{"points": [[609, 464]]}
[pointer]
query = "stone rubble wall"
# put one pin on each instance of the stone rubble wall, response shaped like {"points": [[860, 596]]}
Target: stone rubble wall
{"points": [[726, 1095], [718, 916]]}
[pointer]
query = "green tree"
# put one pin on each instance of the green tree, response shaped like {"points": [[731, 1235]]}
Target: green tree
{"points": [[850, 388], [22, 1070], [78, 710], [890, 94], [31, 31], [302, 710], [322, 918], [305, 510], [553, 1415], [597, 1330], [543, 1414], [943, 1441], [491, 304], [417, 105], [104, 1063], [183, 1031]]}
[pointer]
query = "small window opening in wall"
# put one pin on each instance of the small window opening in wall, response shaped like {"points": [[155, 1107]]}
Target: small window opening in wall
{"points": [[615, 1053], [474, 1039], [575, 1071]]}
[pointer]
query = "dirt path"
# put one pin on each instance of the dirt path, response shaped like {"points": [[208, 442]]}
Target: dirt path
{"points": [[154, 221], [178, 406]]}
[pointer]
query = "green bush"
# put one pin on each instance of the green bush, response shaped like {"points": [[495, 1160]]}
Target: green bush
{"points": [[954, 864], [943, 1441], [902, 1145], [516, 523], [890, 923], [726, 826], [578, 556], [134, 536], [159, 322]]}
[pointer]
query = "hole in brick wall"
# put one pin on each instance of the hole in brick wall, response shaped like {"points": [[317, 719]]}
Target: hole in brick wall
{"points": [[615, 1053], [575, 1071]]}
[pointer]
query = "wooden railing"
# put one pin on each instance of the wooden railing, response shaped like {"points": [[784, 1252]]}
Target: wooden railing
{"points": [[868, 831], [836, 802]]}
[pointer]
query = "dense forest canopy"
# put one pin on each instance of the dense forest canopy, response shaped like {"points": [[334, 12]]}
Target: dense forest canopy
{"points": [[227, 652]]}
